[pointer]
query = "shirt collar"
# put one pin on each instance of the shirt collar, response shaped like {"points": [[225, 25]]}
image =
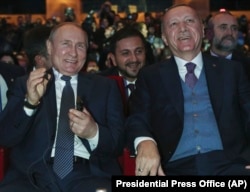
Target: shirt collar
{"points": [[227, 57], [126, 81], [58, 75], [197, 60]]}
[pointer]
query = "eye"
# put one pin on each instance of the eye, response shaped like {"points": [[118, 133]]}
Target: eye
{"points": [[223, 27], [173, 24], [190, 20], [66, 43], [125, 53], [234, 28], [81, 46], [139, 51]]}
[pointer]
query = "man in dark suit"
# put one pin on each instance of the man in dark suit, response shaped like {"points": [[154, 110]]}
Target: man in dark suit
{"points": [[128, 55], [8, 74], [188, 113], [222, 32], [30, 125]]}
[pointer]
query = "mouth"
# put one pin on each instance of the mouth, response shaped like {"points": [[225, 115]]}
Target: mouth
{"points": [[183, 38], [228, 38], [133, 65], [71, 61]]}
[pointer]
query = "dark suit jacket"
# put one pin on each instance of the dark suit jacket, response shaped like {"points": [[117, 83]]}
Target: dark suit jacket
{"points": [[10, 72], [239, 56], [158, 106], [31, 138], [113, 71]]}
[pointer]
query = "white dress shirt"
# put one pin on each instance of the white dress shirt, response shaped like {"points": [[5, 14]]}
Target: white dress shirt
{"points": [[4, 89]]}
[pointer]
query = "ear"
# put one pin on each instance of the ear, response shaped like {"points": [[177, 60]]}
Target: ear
{"points": [[111, 56], [49, 46], [164, 39]]}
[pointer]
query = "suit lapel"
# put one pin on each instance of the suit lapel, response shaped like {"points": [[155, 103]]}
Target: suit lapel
{"points": [[83, 88], [213, 67], [49, 103], [172, 85]]}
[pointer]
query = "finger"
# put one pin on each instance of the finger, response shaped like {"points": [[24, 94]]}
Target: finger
{"points": [[140, 172], [153, 171], [71, 124], [85, 111], [247, 167], [141, 167], [160, 171], [76, 113], [38, 73]]}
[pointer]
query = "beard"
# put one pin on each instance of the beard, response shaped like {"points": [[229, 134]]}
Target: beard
{"points": [[130, 70], [219, 44]]}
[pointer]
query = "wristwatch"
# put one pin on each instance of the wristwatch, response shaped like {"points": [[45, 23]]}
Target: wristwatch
{"points": [[28, 105]]}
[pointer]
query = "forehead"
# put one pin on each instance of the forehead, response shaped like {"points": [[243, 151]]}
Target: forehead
{"points": [[129, 43], [69, 31], [181, 11], [225, 19]]}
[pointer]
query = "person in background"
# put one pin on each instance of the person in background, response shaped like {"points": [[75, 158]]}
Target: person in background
{"points": [[8, 57], [85, 155], [222, 32], [8, 74], [34, 46], [142, 27], [91, 65], [128, 55], [188, 114], [22, 60], [156, 43]]}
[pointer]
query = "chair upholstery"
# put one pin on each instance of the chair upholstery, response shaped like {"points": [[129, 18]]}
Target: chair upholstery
{"points": [[3, 161], [128, 163]]}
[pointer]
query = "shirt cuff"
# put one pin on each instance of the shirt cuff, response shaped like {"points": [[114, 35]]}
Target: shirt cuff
{"points": [[94, 140], [28, 111], [138, 140]]}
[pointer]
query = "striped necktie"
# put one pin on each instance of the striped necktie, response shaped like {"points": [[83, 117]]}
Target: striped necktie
{"points": [[190, 78], [63, 160]]}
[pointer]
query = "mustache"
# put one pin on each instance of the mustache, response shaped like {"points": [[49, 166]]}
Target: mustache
{"points": [[228, 37], [132, 64]]}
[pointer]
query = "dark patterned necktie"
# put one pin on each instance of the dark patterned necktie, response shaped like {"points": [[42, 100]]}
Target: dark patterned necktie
{"points": [[64, 151], [190, 78], [131, 87]]}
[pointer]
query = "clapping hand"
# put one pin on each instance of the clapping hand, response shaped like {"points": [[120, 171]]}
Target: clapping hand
{"points": [[36, 85]]}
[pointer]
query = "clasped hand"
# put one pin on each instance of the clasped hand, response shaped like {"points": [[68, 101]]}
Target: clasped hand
{"points": [[82, 123]]}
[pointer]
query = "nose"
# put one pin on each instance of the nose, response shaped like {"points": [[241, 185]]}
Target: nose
{"points": [[133, 57], [232, 30], [182, 26], [73, 51]]}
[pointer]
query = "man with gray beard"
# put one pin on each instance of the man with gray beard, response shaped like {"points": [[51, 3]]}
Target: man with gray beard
{"points": [[222, 32]]}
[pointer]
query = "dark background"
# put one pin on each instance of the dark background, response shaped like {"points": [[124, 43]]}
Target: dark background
{"points": [[39, 7]]}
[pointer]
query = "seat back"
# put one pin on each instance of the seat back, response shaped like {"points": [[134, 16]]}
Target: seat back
{"points": [[4, 156], [127, 162]]}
